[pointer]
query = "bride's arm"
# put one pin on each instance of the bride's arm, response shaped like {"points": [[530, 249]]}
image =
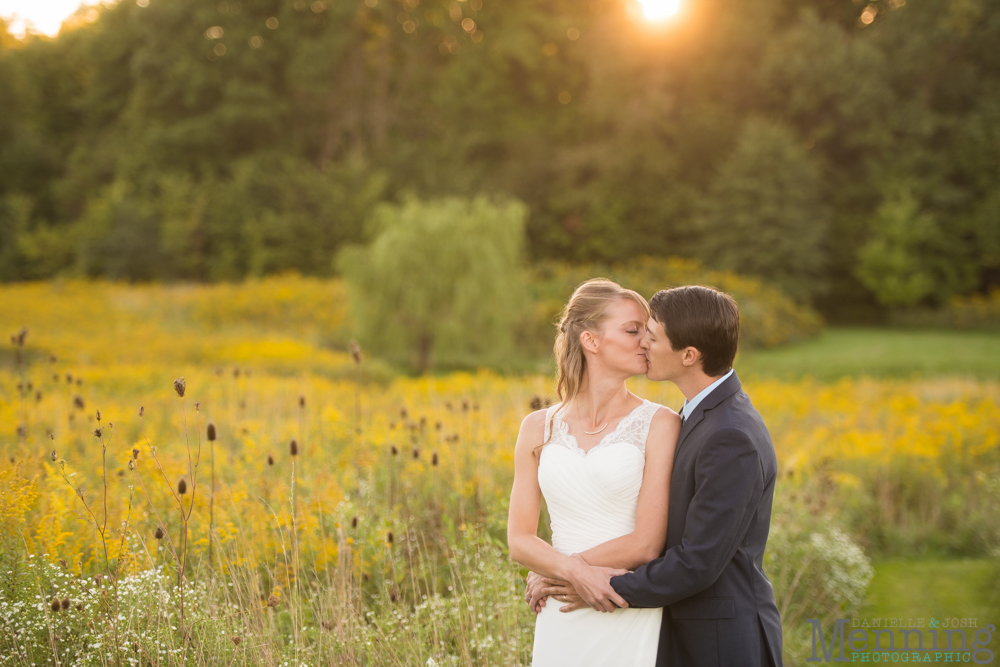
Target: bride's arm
{"points": [[525, 546], [646, 542], [536, 554]]}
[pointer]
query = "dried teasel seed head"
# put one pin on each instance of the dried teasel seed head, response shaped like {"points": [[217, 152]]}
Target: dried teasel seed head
{"points": [[142, 409], [434, 459], [237, 640], [437, 426], [158, 533], [416, 453], [536, 403], [180, 386], [302, 401], [135, 452], [98, 433], [63, 564], [293, 447], [98, 415], [465, 406], [354, 522], [78, 402], [53, 455], [65, 604], [79, 606], [393, 450], [131, 464], [56, 604], [270, 460], [390, 538], [182, 487], [211, 432], [272, 600], [328, 625], [355, 352]]}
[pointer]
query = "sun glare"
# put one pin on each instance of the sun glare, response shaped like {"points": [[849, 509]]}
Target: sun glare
{"points": [[42, 16], [658, 10]]}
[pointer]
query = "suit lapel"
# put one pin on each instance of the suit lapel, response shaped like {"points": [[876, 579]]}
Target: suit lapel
{"points": [[721, 393]]}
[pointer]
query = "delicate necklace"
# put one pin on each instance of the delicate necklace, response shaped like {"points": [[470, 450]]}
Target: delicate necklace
{"points": [[609, 420]]}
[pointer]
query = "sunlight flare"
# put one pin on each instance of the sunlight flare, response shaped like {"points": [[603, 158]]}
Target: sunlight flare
{"points": [[658, 10]]}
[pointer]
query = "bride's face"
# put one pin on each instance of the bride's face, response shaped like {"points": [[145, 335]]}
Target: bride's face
{"points": [[619, 344]]}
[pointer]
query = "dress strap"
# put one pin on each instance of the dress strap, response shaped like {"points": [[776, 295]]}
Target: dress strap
{"points": [[548, 422], [638, 431]]}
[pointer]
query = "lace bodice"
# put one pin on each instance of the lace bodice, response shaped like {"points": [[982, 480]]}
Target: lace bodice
{"points": [[592, 494], [633, 429]]}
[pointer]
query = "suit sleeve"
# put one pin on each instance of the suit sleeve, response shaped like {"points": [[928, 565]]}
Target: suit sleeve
{"points": [[729, 484]]}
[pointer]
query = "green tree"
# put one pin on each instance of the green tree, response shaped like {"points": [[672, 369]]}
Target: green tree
{"points": [[441, 280], [909, 258], [764, 214]]}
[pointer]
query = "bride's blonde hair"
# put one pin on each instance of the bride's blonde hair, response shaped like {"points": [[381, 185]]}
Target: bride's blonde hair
{"points": [[586, 310]]}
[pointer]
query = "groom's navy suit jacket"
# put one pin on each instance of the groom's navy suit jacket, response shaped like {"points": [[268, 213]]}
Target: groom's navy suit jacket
{"points": [[718, 606]]}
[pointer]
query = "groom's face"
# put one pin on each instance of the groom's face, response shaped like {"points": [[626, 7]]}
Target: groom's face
{"points": [[662, 361]]}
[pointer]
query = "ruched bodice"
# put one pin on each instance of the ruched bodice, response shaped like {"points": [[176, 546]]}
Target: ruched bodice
{"points": [[592, 496]]}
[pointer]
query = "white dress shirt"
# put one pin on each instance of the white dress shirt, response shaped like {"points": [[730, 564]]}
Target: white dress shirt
{"points": [[689, 406]]}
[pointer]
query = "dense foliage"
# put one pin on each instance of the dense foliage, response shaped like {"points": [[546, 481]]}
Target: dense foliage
{"points": [[845, 151], [441, 277]]}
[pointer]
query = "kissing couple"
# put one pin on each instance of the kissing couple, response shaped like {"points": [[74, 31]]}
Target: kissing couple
{"points": [[659, 519]]}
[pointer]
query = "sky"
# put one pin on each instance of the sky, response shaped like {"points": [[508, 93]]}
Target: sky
{"points": [[45, 15]]}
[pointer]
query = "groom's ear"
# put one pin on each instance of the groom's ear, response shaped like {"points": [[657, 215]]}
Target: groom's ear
{"points": [[691, 356]]}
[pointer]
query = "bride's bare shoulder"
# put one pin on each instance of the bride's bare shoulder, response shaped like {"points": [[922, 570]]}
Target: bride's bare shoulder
{"points": [[533, 423], [666, 420], [532, 432]]}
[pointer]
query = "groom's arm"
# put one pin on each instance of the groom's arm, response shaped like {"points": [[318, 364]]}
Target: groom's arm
{"points": [[729, 483]]}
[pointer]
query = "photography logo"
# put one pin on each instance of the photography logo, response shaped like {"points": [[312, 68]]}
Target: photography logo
{"points": [[897, 640]]}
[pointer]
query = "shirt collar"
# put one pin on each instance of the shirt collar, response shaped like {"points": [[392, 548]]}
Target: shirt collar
{"points": [[689, 406]]}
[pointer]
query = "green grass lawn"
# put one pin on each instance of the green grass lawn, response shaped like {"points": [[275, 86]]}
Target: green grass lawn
{"points": [[901, 353], [932, 588]]}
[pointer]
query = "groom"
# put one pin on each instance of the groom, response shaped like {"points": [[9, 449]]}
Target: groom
{"points": [[718, 606]]}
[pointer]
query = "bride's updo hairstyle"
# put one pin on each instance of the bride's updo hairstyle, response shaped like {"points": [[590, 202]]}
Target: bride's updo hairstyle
{"points": [[586, 310]]}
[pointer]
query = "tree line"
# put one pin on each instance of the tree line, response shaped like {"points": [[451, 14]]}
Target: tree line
{"points": [[848, 152]]}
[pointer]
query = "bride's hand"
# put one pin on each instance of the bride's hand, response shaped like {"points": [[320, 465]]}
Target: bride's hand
{"points": [[535, 594]]}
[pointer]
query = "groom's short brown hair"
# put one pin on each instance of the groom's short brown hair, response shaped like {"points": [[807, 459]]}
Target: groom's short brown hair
{"points": [[703, 318]]}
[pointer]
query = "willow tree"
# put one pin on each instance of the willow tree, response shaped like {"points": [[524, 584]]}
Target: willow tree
{"points": [[440, 281]]}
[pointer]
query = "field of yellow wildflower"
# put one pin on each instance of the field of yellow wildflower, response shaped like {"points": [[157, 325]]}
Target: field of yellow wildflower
{"points": [[289, 503]]}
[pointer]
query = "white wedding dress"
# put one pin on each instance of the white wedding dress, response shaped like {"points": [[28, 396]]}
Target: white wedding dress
{"points": [[591, 497]]}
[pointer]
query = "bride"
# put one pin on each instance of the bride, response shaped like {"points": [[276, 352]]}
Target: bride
{"points": [[602, 459]]}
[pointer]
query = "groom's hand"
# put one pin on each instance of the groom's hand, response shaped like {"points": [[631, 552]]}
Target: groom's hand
{"points": [[593, 585]]}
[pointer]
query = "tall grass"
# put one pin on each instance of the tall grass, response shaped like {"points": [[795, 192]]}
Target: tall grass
{"points": [[380, 540]]}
